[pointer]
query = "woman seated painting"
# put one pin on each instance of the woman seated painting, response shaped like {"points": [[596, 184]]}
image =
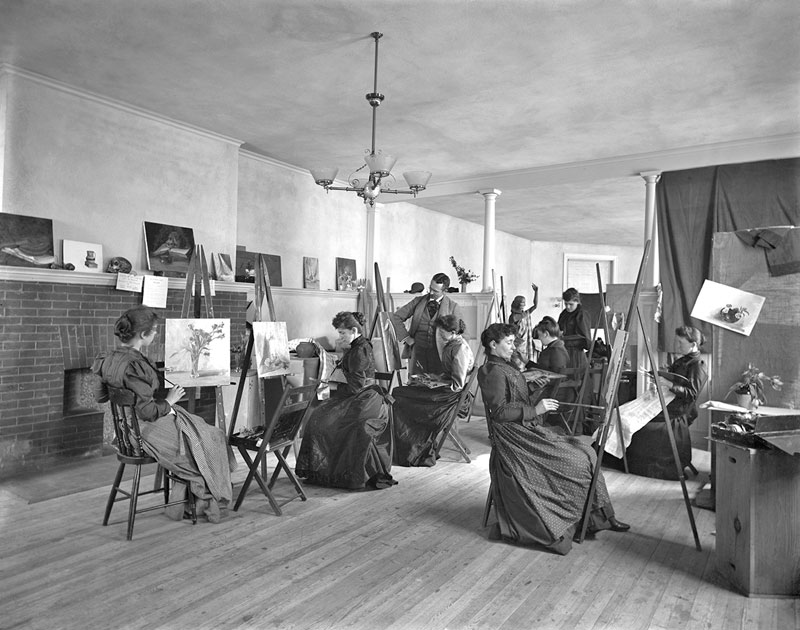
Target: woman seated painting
{"points": [[540, 479], [650, 451], [346, 443], [423, 409], [181, 442]]}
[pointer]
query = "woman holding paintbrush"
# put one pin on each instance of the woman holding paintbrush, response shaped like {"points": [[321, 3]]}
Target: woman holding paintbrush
{"points": [[181, 442]]}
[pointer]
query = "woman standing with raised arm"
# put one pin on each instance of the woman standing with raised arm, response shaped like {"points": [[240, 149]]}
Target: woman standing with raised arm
{"points": [[525, 350]]}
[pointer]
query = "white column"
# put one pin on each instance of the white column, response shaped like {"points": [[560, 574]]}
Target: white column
{"points": [[489, 197], [651, 274]]}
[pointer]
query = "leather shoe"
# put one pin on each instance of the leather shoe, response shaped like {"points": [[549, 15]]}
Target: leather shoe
{"points": [[618, 526]]}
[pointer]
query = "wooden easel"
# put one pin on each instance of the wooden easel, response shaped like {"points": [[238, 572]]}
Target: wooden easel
{"points": [[262, 294], [198, 303], [611, 385], [381, 307]]}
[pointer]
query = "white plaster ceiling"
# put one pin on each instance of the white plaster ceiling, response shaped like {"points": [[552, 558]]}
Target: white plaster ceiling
{"points": [[557, 103]]}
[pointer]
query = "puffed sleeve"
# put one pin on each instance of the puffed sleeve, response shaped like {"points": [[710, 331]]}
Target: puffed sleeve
{"points": [[695, 373], [496, 393], [140, 379], [458, 367], [358, 367]]}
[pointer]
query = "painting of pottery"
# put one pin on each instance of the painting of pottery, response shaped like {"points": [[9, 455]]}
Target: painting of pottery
{"points": [[84, 257], [346, 278], [169, 248], [26, 241], [197, 352], [728, 307]]}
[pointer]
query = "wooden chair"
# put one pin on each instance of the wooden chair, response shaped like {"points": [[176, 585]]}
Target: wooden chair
{"points": [[277, 436], [449, 430], [130, 451], [489, 497]]}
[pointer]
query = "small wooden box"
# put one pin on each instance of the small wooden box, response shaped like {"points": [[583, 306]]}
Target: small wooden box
{"points": [[758, 519]]}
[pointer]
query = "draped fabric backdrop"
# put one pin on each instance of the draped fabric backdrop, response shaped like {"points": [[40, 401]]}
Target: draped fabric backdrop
{"points": [[694, 204]]}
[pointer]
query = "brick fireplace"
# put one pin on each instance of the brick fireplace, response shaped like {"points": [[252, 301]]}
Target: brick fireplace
{"points": [[52, 325]]}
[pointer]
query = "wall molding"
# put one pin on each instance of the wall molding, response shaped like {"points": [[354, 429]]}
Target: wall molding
{"points": [[10, 70]]}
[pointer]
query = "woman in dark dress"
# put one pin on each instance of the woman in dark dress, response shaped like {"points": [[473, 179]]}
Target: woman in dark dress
{"points": [[650, 451], [345, 443], [575, 329], [421, 412], [180, 441], [540, 479]]}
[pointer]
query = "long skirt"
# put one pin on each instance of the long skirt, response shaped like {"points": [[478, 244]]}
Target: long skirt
{"points": [[194, 450], [420, 417], [540, 481], [346, 443]]}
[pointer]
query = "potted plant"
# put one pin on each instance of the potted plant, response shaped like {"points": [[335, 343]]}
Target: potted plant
{"points": [[749, 389], [465, 276]]}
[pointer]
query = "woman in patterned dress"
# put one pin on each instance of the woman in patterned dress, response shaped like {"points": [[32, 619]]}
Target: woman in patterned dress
{"points": [[539, 479], [179, 441]]}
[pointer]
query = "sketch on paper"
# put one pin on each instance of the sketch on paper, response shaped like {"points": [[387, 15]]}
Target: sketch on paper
{"points": [[728, 307], [310, 273], [272, 348], [197, 352], [85, 257], [26, 241], [169, 248], [346, 278]]}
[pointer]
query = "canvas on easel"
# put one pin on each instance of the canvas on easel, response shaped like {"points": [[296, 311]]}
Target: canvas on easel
{"points": [[197, 352], [272, 349]]}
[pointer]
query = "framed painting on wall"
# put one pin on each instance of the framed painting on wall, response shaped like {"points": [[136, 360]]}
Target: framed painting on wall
{"points": [[197, 352], [310, 273], [346, 277], [85, 257], [169, 248], [26, 241]]}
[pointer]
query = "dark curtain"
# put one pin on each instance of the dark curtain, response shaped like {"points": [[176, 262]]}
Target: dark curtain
{"points": [[695, 203]]}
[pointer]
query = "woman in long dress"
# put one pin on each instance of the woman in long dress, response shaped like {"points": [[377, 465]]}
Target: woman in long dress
{"points": [[540, 479], [650, 451], [521, 318], [575, 329], [181, 442], [346, 443], [423, 409]]}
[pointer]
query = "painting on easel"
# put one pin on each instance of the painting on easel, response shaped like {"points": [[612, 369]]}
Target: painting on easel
{"points": [[26, 241], [169, 248], [197, 352], [272, 349]]}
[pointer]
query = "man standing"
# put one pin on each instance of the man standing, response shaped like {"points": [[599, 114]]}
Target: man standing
{"points": [[419, 338]]}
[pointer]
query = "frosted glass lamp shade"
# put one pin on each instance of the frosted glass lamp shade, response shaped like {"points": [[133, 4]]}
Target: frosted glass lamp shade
{"points": [[380, 163], [417, 180], [324, 175]]}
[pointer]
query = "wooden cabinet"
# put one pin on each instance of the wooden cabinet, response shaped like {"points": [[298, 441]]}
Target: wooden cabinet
{"points": [[758, 519]]}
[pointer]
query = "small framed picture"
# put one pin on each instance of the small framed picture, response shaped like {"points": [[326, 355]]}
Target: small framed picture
{"points": [[85, 257]]}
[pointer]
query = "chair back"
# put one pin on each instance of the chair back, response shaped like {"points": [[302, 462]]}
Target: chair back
{"points": [[126, 424], [289, 416]]}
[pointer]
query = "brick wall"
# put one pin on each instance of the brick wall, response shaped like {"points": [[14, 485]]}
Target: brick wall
{"points": [[49, 327]]}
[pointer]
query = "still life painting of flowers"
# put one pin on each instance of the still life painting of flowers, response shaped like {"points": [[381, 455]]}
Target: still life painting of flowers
{"points": [[197, 352]]}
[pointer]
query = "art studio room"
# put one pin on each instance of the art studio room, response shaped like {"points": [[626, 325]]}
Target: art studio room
{"points": [[423, 315]]}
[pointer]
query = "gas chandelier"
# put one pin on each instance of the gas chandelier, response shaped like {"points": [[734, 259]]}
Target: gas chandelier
{"points": [[379, 163]]}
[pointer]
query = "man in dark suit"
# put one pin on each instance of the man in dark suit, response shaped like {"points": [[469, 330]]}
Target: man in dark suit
{"points": [[419, 338]]}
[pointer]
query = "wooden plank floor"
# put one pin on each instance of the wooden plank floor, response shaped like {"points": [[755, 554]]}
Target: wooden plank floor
{"points": [[412, 556]]}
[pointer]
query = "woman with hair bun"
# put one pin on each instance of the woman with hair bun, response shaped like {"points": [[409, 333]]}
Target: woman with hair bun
{"points": [[650, 451], [181, 442], [345, 442]]}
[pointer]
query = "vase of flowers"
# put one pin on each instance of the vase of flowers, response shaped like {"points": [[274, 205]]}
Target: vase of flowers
{"points": [[465, 276], [749, 389]]}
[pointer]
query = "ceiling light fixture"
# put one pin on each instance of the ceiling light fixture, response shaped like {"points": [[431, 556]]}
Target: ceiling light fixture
{"points": [[379, 163]]}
